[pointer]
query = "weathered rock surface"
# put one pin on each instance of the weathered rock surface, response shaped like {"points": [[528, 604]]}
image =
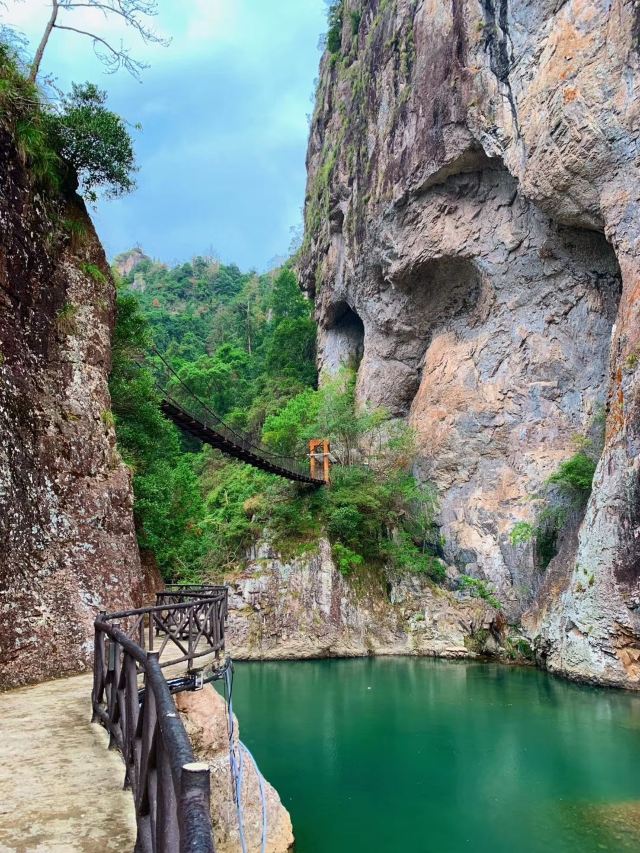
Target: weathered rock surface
{"points": [[67, 540], [303, 608], [126, 262], [204, 715], [472, 241]]}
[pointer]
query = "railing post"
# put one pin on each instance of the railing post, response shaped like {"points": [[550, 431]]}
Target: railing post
{"points": [[171, 790], [195, 793], [98, 664]]}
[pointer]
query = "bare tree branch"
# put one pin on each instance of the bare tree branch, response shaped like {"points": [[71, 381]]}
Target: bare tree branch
{"points": [[114, 58], [128, 10], [37, 59], [132, 12]]}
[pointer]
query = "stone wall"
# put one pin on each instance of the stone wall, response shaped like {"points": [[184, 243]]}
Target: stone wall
{"points": [[472, 220], [67, 540]]}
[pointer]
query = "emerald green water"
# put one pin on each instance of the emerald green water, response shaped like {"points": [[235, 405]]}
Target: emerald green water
{"points": [[401, 754]]}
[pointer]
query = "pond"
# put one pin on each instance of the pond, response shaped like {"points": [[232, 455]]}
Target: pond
{"points": [[411, 754]]}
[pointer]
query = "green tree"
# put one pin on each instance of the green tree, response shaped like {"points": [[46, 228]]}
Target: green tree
{"points": [[287, 301], [334, 34], [291, 350], [288, 430], [94, 141], [219, 380], [340, 420], [169, 508]]}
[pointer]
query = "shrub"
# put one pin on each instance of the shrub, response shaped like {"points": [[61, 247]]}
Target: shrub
{"points": [[94, 272], [36, 151], [347, 560], [479, 589], [404, 554], [66, 319], [107, 418], [521, 533], [334, 34], [77, 231], [519, 649], [575, 476]]}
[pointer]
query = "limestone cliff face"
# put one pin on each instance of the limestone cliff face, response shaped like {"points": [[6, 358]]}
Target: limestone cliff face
{"points": [[303, 608], [67, 542], [472, 240]]}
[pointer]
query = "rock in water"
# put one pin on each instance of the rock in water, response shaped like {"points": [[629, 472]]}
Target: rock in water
{"points": [[204, 714]]}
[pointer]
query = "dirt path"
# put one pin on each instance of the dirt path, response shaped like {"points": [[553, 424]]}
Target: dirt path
{"points": [[60, 788]]}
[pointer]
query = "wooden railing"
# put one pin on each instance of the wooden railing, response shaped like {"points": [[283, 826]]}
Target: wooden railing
{"points": [[172, 617], [132, 700], [181, 627]]}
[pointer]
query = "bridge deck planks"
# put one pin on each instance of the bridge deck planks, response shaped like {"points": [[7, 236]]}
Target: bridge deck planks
{"points": [[60, 787], [185, 421]]}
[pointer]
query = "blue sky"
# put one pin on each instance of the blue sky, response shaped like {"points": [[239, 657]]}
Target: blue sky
{"points": [[224, 111]]}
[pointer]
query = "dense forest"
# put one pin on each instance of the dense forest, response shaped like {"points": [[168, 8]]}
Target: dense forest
{"points": [[245, 343]]}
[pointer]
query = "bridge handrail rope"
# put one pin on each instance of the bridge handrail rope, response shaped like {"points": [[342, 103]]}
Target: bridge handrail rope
{"points": [[289, 463], [171, 789]]}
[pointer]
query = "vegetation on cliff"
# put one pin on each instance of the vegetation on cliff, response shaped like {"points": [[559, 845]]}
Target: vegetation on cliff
{"points": [[564, 496], [74, 139], [246, 344]]}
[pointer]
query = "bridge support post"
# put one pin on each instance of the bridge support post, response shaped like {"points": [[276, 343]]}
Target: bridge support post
{"points": [[320, 459]]}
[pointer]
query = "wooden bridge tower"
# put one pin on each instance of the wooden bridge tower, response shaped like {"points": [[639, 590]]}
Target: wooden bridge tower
{"points": [[320, 458]]}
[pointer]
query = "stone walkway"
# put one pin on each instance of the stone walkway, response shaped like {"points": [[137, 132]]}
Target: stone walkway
{"points": [[60, 788]]}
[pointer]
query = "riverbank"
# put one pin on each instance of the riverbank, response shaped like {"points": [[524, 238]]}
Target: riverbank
{"points": [[302, 607]]}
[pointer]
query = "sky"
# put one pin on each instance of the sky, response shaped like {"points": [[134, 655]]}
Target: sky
{"points": [[224, 111]]}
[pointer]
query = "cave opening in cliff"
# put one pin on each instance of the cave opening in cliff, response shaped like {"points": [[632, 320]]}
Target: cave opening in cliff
{"points": [[436, 301], [345, 338], [510, 386]]}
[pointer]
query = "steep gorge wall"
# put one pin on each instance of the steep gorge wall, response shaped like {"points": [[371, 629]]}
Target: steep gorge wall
{"points": [[67, 541], [302, 607], [472, 242]]}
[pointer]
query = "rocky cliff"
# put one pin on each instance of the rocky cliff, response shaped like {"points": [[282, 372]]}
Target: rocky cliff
{"points": [[204, 714], [67, 541], [472, 240], [301, 607]]}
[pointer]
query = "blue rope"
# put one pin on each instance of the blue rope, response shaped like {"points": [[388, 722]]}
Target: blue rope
{"points": [[263, 798], [237, 769]]}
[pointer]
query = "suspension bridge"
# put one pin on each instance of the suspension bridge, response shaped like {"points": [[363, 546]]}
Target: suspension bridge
{"points": [[194, 417]]}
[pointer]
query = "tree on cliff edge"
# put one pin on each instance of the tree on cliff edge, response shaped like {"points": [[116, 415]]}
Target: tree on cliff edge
{"points": [[133, 12]]}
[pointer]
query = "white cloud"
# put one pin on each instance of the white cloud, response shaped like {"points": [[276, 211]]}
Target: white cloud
{"points": [[224, 116], [211, 21]]}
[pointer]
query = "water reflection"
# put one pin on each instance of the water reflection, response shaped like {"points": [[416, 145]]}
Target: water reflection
{"points": [[423, 755]]}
